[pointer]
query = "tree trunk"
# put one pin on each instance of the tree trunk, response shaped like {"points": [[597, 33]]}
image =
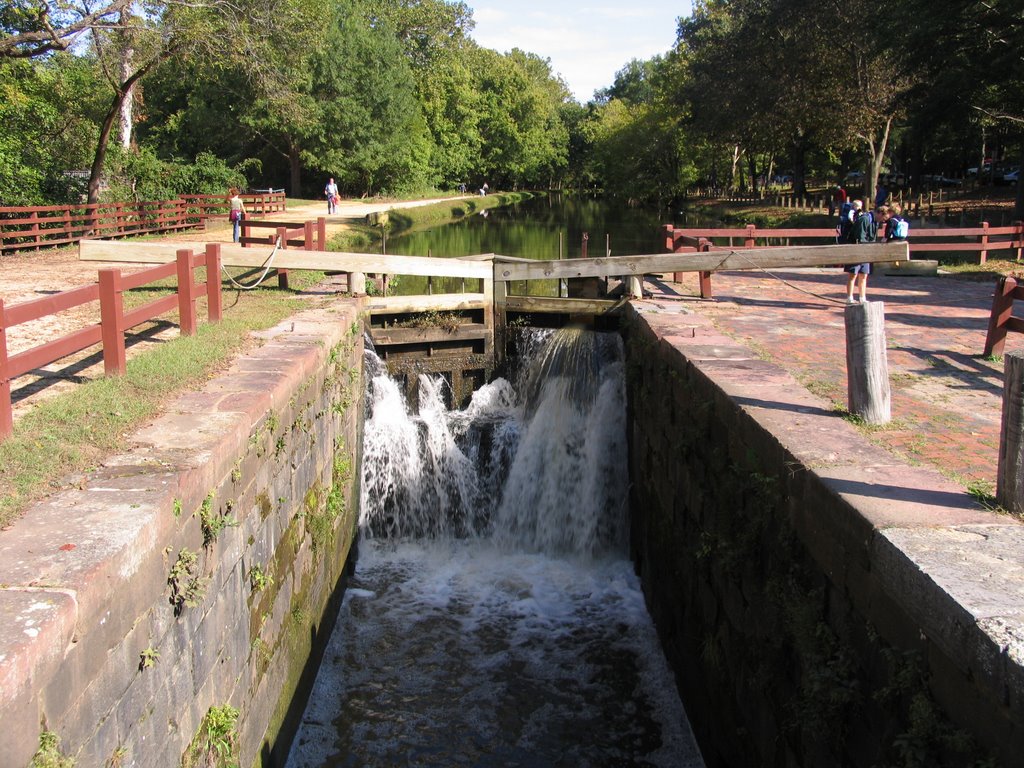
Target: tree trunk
{"points": [[96, 172], [294, 169], [128, 103]]}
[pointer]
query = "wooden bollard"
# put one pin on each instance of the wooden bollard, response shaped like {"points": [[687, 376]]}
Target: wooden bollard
{"points": [[1010, 476], [867, 368]]}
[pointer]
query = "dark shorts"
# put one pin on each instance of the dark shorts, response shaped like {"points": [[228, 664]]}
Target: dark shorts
{"points": [[853, 269]]}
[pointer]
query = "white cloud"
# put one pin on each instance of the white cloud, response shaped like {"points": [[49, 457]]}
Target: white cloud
{"points": [[587, 43]]}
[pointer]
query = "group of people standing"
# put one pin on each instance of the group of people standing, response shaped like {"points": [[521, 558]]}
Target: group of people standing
{"points": [[856, 225]]}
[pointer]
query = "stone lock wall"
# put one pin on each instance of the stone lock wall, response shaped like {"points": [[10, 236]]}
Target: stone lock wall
{"points": [[821, 603], [197, 570]]}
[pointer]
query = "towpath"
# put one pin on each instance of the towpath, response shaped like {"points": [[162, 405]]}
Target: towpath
{"points": [[946, 397]]}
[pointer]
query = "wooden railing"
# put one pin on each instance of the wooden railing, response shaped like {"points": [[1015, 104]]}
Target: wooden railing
{"points": [[981, 240], [48, 226], [114, 320]]}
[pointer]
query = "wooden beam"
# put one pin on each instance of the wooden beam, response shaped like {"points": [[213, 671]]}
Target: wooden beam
{"points": [[380, 305], [467, 332], [724, 259], [236, 256], [545, 305]]}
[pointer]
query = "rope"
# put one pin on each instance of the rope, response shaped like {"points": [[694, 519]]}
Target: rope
{"points": [[780, 279], [266, 268]]}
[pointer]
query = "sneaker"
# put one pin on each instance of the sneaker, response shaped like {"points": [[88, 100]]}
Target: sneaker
{"points": [[850, 300], [863, 301]]}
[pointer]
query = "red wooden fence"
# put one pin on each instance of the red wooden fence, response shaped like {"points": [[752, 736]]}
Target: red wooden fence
{"points": [[979, 240], [308, 235], [47, 226], [114, 320]]}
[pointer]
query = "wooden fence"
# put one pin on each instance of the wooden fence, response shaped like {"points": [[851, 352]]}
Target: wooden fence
{"points": [[48, 226], [981, 240], [114, 320]]}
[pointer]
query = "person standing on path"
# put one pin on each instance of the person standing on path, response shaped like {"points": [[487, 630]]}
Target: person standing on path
{"points": [[863, 231], [236, 214], [331, 191]]}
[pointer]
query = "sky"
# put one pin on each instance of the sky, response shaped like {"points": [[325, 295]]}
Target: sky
{"points": [[587, 41]]}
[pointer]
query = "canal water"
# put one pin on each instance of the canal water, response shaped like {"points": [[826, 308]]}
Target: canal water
{"points": [[543, 227], [494, 618]]}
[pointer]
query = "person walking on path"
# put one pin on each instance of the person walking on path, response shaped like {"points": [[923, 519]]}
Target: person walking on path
{"points": [[331, 191], [236, 214], [864, 230]]}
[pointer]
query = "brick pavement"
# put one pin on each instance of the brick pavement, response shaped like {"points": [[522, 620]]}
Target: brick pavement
{"points": [[946, 398]]}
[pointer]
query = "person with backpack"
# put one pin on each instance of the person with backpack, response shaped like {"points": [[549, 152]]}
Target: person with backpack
{"points": [[896, 227], [864, 230], [847, 215]]}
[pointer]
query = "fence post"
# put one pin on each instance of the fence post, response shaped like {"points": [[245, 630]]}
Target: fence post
{"points": [[186, 294], [704, 277], [214, 299], [1002, 311], [6, 416], [751, 229], [1020, 237], [1010, 474], [983, 239], [321, 233], [308, 236], [867, 369], [282, 274], [112, 322]]}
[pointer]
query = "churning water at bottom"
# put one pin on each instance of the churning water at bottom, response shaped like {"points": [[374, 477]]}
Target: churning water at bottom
{"points": [[490, 623]]}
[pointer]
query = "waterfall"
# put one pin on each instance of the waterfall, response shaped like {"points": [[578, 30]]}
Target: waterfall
{"points": [[539, 467], [494, 618]]}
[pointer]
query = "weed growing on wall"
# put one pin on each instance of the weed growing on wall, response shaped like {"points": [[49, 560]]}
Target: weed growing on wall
{"points": [[258, 579], [49, 754], [215, 744], [213, 522], [187, 586], [148, 658]]}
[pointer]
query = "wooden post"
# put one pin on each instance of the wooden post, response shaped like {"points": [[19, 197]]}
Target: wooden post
{"points": [[112, 322], [282, 274], [983, 239], [704, 277], [867, 370], [1010, 475], [6, 415], [636, 286], [1020, 238], [499, 289], [751, 231], [1002, 313], [309, 236], [186, 294], [214, 297], [321, 233]]}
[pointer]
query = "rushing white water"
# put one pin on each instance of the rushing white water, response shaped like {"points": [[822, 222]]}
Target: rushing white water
{"points": [[494, 618]]}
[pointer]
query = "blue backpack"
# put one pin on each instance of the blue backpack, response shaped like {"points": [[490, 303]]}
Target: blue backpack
{"points": [[901, 229]]}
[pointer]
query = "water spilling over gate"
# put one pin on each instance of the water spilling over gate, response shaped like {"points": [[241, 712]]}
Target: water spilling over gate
{"points": [[494, 618]]}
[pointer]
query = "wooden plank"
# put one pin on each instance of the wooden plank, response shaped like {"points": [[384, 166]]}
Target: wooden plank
{"points": [[552, 305], [380, 305], [725, 259], [236, 256], [34, 309], [468, 332], [51, 352]]}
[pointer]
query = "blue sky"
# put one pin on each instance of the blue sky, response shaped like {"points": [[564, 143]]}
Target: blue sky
{"points": [[587, 41]]}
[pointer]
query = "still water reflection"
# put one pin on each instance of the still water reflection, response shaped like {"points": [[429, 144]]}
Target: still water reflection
{"points": [[544, 227]]}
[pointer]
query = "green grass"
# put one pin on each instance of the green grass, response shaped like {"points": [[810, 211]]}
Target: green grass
{"points": [[69, 434]]}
